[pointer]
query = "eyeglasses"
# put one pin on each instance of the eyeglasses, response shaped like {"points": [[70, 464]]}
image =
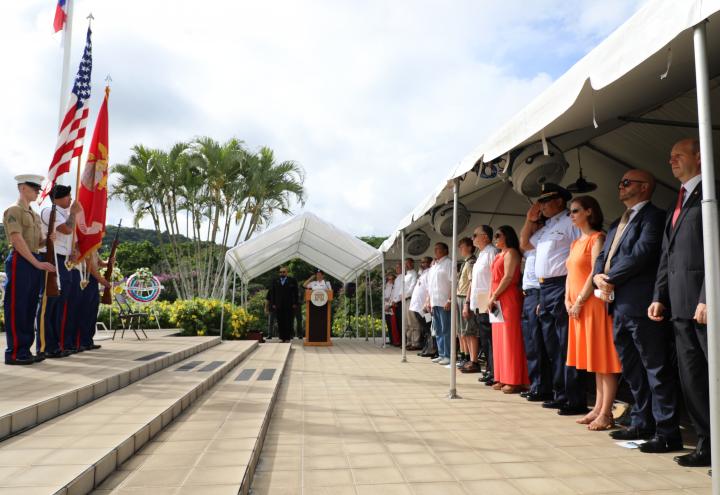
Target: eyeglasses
{"points": [[575, 210], [627, 182]]}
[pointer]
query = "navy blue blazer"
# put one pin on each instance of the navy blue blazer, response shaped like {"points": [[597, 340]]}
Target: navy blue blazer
{"points": [[635, 263]]}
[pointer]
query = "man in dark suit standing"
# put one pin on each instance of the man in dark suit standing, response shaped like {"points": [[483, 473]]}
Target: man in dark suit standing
{"points": [[283, 300], [625, 273], [680, 289]]}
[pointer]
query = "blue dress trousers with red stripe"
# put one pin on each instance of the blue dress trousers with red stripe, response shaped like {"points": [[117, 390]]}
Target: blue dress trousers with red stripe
{"points": [[22, 290]]}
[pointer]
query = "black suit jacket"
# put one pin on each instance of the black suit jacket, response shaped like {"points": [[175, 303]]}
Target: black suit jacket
{"points": [[680, 281], [283, 297], [635, 263]]}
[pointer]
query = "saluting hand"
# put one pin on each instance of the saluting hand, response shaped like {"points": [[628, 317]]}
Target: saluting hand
{"points": [[533, 213]]}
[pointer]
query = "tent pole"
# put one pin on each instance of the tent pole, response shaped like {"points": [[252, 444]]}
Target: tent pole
{"points": [[357, 308], [382, 311], [372, 315], [452, 394], [233, 290], [402, 300], [711, 242], [222, 301], [367, 291]]}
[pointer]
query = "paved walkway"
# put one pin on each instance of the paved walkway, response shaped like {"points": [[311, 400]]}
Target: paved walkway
{"points": [[352, 419]]}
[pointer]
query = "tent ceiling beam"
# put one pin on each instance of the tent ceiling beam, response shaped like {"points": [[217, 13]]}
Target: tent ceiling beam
{"points": [[663, 122], [625, 164]]}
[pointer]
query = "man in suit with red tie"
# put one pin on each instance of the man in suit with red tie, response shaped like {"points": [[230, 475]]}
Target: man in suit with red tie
{"points": [[680, 289]]}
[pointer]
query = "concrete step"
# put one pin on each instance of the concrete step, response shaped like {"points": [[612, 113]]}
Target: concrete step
{"points": [[214, 446], [30, 395], [75, 452]]}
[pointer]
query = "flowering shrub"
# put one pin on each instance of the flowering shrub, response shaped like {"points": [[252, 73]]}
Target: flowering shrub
{"points": [[193, 317], [340, 322], [143, 275]]}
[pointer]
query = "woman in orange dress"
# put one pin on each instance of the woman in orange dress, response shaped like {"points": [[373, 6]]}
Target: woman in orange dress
{"points": [[590, 339], [510, 364]]}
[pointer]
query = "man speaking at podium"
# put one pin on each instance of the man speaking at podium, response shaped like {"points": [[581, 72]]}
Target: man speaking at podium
{"points": [[283, 301]]}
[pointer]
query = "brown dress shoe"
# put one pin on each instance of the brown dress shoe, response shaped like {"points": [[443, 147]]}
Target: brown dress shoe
{"points": [[497, 386]]}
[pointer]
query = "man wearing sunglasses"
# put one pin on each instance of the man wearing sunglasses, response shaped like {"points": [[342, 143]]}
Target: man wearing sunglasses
{"points": [[283, 301], [24, 268], [625, 273], [552, 245]]}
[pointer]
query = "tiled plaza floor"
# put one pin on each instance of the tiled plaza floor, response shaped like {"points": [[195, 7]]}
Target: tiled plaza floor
{"points": [[353, 419]]}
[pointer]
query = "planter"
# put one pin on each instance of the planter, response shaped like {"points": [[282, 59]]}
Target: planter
{"points": [[255, 336]]}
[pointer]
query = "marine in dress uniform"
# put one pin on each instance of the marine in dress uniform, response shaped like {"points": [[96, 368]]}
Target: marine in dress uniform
{"points": [[89, 303], [52, 312], [552, 244], [24, 268]]}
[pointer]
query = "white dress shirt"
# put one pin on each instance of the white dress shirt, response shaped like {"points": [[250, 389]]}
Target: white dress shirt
{"points": [[439, 282], [62, 241], [319, 284], [387, 297], [397, 289], [482, 274], [552, 246], [420, 292], [635, 209], [410, 280], [690, 187]]}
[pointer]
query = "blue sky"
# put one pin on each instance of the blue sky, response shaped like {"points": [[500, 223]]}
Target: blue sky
{"points": [[376, 100]]}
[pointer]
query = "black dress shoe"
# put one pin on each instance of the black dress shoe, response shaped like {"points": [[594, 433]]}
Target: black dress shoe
{"points": [[92, 347], [525, 394], [19, 361], [490, 382], [553, 404], [632, 433], [39, 357], [694, 459], [659, 445], [537, 397], [568, 410], [54, 354]]}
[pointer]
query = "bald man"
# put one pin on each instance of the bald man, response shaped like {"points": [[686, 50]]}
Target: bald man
{"points": [[625, 274]]}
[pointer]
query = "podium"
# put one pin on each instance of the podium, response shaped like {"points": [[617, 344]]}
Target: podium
{"points": [[317, 317]]}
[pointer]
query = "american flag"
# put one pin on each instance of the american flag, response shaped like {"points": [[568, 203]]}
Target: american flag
{"points": [[60, 15], [72, 129]]}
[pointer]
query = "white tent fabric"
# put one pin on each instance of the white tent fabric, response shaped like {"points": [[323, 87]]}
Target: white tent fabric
{"points": [[644, 69], [309, 238]]}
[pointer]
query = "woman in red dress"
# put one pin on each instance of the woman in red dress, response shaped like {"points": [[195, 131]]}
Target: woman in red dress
{"points": [[508, 348]]}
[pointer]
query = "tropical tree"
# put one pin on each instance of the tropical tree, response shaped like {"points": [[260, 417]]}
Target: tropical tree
{"points": [[198, 193]]}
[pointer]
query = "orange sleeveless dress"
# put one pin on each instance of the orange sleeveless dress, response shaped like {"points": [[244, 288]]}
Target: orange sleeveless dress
{"points": [[590, 338]]}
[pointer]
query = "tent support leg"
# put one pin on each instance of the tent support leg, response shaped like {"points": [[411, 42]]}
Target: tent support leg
{"points": [[367, 293], [222, 301], [452, 393], [357, 308], [372, 315], [711, 242], [232, 300], [403, 326], [382, 313]]}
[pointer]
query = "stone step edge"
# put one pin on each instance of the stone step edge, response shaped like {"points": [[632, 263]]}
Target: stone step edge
{"points": [[257, 449], [24, 419], [94, 475]]}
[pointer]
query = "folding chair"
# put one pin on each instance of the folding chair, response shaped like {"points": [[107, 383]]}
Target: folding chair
{"points": [[128, 316]]}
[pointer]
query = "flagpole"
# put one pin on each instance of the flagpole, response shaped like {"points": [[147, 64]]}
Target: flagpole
{"points": [[67, 42]]}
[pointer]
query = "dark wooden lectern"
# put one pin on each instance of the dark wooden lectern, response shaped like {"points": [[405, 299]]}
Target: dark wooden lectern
{"points": [[317, 320]]}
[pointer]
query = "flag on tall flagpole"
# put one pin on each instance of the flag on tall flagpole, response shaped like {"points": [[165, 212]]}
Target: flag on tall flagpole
{"points": [[92, 193], [60, 15], [72, 128]]}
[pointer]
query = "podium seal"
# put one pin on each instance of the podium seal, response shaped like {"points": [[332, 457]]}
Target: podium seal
{"points": [[319, 297]]}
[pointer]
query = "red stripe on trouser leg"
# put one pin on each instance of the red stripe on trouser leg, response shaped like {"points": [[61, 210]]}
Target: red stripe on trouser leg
{"points": [[62, 327], [13, 310], [395, 334]]}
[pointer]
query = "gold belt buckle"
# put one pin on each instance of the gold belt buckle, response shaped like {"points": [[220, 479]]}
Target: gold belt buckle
{"points": [[542, 280]]}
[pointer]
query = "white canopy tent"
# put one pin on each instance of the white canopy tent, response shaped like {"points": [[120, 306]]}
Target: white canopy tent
{"points": [[306, 237], [652, 82]]}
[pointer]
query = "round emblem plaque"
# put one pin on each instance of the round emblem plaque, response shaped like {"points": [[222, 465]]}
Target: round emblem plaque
{"points": [[319, 297]]}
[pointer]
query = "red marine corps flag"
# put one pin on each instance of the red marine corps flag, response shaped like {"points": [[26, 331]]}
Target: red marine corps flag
{"points": [[92, 193]]}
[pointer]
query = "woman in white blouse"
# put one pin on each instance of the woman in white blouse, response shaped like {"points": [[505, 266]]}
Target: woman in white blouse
{"points": [[319, 282]]}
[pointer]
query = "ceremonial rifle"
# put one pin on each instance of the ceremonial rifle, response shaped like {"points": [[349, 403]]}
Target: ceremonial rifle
{"points": [[107, 293], [51, 287]]}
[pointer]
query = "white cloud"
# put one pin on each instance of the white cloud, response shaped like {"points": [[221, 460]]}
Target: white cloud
{"points": [[377, 100]]}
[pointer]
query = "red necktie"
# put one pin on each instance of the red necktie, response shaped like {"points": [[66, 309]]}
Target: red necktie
{"points": [[678, 205]]}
